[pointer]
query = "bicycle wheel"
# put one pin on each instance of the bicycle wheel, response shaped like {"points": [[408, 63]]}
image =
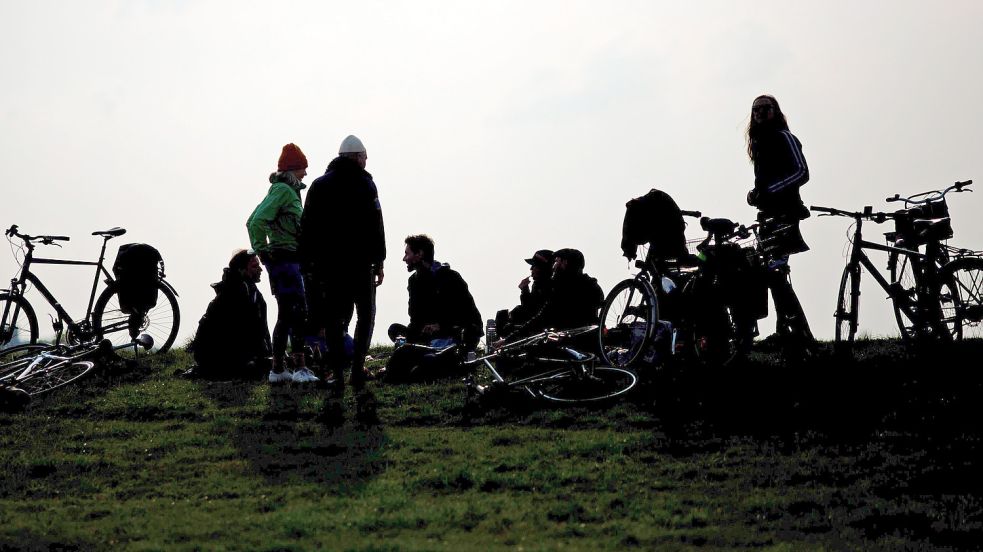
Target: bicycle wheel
{"points": [[847, 305], [903, 278], [18, 323], [627, 320], [161, 322], [964, 280], [53, 376], [15, 359], [605, 382], [707, 331]]}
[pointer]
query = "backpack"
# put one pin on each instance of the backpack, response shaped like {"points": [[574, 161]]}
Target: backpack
{"points": [[137, 269], [655, 219]]}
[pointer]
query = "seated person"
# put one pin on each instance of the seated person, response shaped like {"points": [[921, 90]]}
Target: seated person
{"points": [[574, 301], [531, 297], [441, 308], [233, 340]]}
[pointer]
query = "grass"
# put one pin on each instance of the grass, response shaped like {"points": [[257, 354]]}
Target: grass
{"points": [[876, 453]]}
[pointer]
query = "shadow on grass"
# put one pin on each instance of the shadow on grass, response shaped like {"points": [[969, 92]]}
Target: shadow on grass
{"points": [[302, 436]]}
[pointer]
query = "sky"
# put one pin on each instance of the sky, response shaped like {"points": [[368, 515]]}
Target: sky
{"points": [[498, 128]]}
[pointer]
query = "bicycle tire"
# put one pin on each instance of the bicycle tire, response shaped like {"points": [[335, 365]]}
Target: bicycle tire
{"points": [[604, 383], [59, 374], [18, 323], [627, 322], [161, 322], [15, 359], [903, 276], [847, 306], [964, 277]]}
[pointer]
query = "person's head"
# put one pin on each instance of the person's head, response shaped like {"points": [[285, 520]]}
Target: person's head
{"points": [[352, 148], [246, 263], [568, 261], [419, 252], [766, 114], [292, 160], [540, 264]]}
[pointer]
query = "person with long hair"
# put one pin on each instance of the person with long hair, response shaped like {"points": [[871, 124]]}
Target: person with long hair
{"points": [[780, 170]]}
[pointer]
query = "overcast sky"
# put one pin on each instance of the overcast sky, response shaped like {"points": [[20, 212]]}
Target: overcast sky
{"points": [[498, 128]]}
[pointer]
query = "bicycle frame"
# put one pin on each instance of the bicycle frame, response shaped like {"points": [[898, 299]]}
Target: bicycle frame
{"points": [[18, 286]]}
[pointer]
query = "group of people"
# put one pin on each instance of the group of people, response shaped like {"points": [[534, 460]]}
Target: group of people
{"points": [[325, 258]]}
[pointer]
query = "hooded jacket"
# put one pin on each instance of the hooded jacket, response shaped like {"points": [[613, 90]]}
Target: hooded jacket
{"points": [[233, 330], [342, 222], [441, 296], [573, 303], [275, 223], [780, 170]]}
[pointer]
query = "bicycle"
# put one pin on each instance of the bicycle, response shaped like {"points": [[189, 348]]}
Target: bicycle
{"points": [[630, 315], [544, 367], [965, 275], [931, 309], [103, 318], [47, 368]]}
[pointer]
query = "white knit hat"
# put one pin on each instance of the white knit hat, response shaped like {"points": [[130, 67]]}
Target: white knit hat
{"points": [[351, 145]]}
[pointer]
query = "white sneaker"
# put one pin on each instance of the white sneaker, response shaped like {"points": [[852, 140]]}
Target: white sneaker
{"points": [[281, 377], [304, 376]]}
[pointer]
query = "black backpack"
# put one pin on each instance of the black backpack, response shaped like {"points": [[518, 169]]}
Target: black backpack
{"points": [[137, 269], [654, 219]]}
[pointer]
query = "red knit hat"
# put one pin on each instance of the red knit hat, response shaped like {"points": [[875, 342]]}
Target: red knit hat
{"points": [[291, 159]]}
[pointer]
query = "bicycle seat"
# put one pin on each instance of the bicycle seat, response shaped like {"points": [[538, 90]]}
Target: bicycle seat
{"points": [[111, 233], [718, 226]]}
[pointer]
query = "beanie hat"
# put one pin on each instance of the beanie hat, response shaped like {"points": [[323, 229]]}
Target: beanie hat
{"points": [[351, 145], [291, 159]]}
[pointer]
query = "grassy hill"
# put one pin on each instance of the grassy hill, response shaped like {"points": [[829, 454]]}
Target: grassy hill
{"points": [[880, 452]]}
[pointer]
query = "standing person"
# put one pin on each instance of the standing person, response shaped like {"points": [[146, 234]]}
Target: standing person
{"points": [[343, 243], [779, 171], [274, 230]]}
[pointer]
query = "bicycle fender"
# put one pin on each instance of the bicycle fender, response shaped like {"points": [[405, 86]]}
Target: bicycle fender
{"points": [[170, 287]]}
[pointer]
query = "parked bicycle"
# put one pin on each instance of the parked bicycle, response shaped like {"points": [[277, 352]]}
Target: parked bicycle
{"points": [[547, 366], [965, 275], [39, 369], [104, 317], [942, 297]]}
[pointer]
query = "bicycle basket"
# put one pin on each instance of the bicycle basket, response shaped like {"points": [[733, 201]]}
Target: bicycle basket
{"points": [[924, 223], [780, 237]]}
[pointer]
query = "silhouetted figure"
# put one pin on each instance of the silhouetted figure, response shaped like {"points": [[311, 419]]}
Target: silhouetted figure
{"points": [[233, 341], [344, 247], [779, 171], [534, 291], [274, 232], [574, 301]]}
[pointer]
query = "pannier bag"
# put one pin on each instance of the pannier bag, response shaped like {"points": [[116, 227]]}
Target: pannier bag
{"points": [[655, 219], [137, 270], [924, 223]]}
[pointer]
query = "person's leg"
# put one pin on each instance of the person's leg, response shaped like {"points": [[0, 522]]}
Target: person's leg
{"points": [[275, 272], [365, 310], [338, 312], [791, 319]]}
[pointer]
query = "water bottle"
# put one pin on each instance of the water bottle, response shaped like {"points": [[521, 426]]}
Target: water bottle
{"points": [[491, 334]]}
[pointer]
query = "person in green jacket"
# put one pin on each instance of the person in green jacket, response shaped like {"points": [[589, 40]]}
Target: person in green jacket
{"points": [[274, 229]]}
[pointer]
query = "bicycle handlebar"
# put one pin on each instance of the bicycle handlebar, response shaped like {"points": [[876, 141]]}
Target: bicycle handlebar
{"points": [[934, 195], [868, 213], [46, 240]]}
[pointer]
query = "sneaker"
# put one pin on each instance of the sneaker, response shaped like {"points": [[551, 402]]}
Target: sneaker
{"points": [[281, 377], [304, 376]]}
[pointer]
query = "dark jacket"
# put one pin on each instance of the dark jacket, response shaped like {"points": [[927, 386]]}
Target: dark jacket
{"points": [[233, 331], [532, 300], [573, 303], [342, 221], [779, 170], [441, 296]]}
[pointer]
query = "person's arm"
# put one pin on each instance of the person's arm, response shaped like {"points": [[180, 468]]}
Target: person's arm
{"points": [[794, 160], [375, 231]]}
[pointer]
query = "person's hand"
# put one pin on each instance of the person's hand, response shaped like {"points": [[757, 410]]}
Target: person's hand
{"points": [[524, 284], [752, 198], [379, 275], [430, 329]]}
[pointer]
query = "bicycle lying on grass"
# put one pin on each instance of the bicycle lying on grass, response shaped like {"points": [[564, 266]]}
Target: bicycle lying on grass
{"points": [[546, 366], [39, 369], [104, 318], [935, 298]]}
